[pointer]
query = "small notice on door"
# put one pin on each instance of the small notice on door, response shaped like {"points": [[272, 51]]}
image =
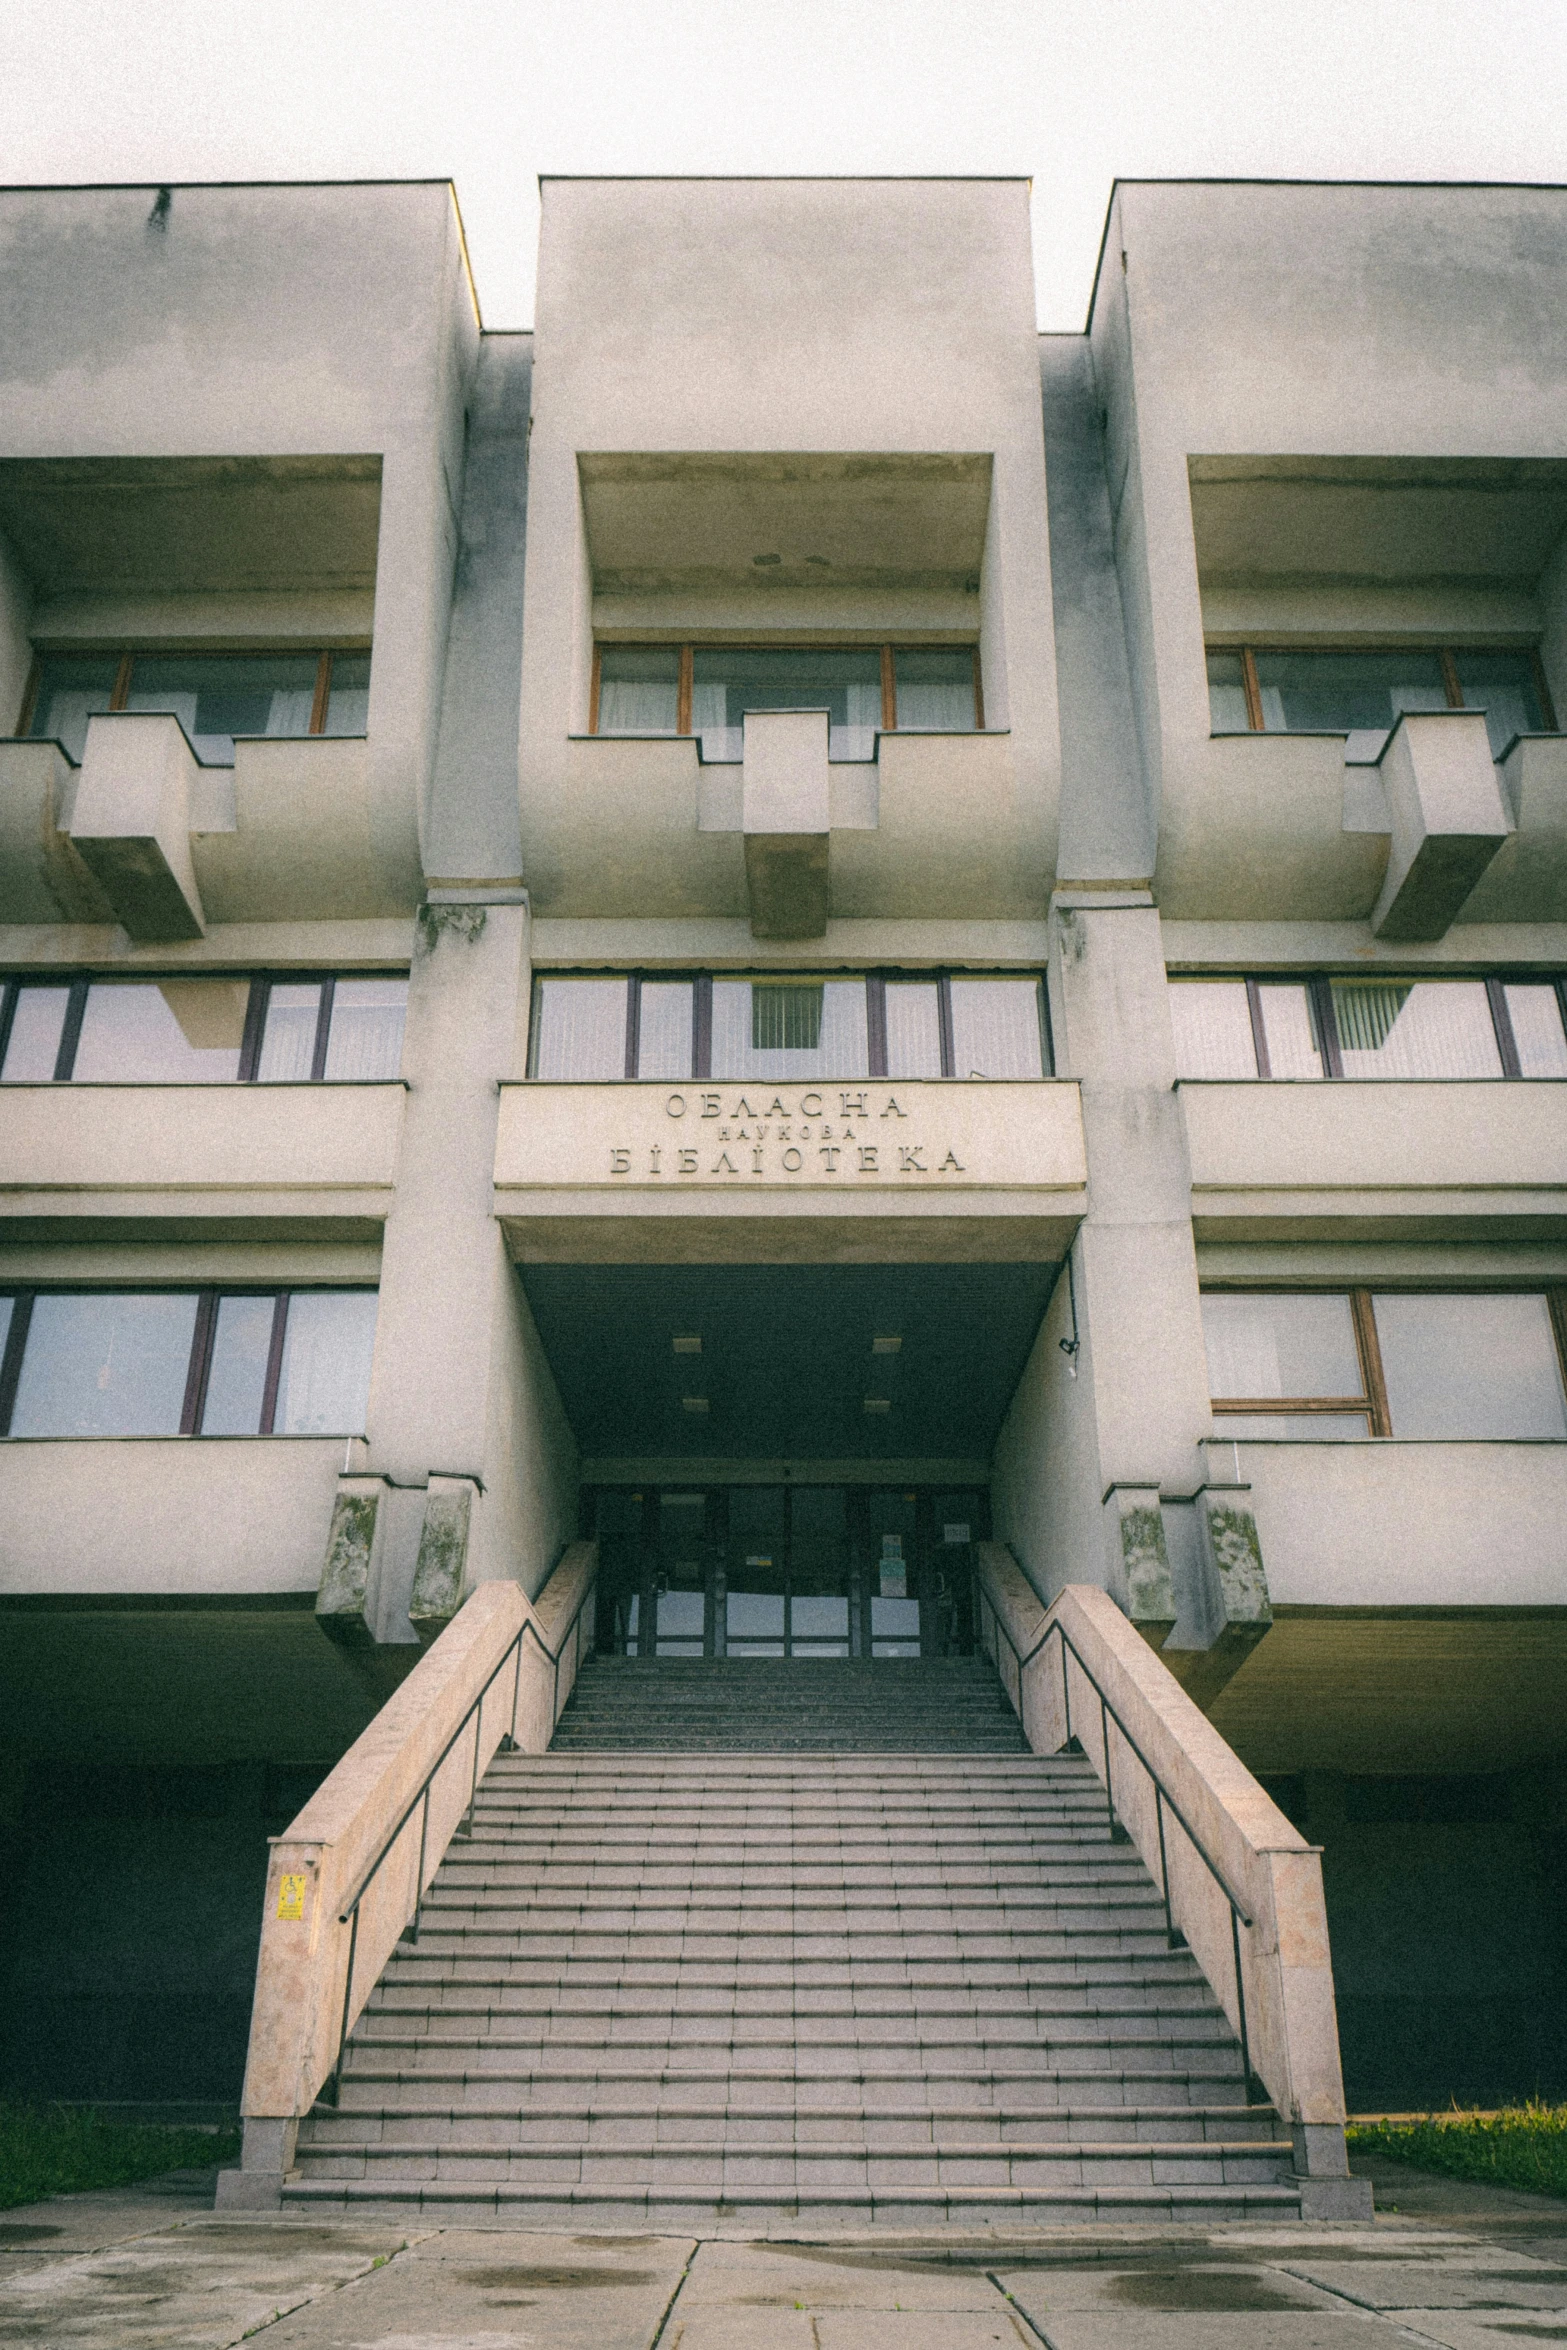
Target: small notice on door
{"points": [[291, 1897], [954, 1533], [894, 1572]]}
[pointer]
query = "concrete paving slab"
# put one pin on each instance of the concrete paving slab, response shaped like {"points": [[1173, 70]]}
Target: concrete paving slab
{"points": [[823, 2277], [728, 2328], [494, 2290], [1480, 2279], [1513, 2330], [85, 2223], [1158, 2330], [200, 2286]]}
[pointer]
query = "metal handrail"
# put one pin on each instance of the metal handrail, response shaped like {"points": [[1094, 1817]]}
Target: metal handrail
{"points": [[1164, 1801], [349, 1914]]}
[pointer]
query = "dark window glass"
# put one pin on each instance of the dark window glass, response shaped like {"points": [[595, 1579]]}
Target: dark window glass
{"points": [[73, 687], [348, 702], [216, 696], [1504, 686], [236, 1381], [729, 681], [1227, 708], [1346, 693], [790, 1028]]}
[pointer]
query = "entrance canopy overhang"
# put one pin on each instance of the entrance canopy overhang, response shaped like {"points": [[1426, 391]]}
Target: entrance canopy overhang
{"points": [[835, 1371], [880, 1171]]}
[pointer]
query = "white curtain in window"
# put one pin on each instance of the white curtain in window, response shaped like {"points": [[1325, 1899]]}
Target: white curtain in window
{"points": [[34, 1044], [1285, 1344], [582, 1029], [105, 1363], [291, 709], [1287, 1025], [236, 1381], [1422, 1028], [995, 1028], [664, 1028], [820, 1026], [365, 1039], [637, 705], [1537, 1031], [162, 1032], [1212, 1028], [857, 738], [721, 743], [936, 691], [288, 1042], [65, 716], [1471, 1366], [913, 1028], [325, 1382]]}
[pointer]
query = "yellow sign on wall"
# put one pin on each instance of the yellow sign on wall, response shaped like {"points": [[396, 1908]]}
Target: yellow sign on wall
{"points": [[291, 1897]]}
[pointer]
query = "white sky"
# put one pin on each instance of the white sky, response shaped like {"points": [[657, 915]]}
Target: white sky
{"points": [[493, 92]]}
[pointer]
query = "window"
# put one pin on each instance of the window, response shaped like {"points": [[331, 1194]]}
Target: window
{"points": [[1362, 693], [200, 1031], [215, 696], [789, 1026], [1360, 1027], [209, 1362], [706, 690], [1444, 1365]]}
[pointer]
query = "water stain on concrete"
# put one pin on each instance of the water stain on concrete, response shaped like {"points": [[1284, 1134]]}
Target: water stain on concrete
{"points": [[11, 2237], [1198, 2291], [518, 2280]]}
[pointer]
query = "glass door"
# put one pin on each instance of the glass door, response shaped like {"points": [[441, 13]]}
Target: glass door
{"points": [[756, 1571], [892, 1573], [682, 1557], [819, 1594]]}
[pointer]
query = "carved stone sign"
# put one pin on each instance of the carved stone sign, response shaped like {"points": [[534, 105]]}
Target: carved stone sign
{"points": [[878, 1133]]}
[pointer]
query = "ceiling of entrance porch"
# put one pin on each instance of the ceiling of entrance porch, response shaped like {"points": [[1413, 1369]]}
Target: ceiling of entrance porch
{"points": [[788, 1361]]}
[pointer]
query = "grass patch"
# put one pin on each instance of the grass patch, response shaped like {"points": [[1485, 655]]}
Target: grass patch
{"points": [[63, 2149], [1520, 2146]]}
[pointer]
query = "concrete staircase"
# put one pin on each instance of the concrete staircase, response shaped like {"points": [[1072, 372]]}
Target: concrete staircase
{"points": [[697, 1967]]}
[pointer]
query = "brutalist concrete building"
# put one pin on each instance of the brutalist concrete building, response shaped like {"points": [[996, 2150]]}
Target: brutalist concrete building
{"points": [[783, 1188]]}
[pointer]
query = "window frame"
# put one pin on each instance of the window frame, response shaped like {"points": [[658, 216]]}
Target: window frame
{"points": [[260, 983], [1318, 986], [875, 980], [1448, 654], [198, 1371], [1373, 1402], [686, 651], [121, 692]]}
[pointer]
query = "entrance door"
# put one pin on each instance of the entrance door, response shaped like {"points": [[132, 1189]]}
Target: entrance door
{"points": [[786, 1572]]}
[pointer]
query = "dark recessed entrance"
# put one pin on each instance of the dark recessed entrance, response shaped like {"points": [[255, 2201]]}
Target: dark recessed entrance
{"points": [[787, 1570]]}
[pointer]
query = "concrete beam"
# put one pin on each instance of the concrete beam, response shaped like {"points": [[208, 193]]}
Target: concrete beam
{"points": [[784, 816], [132, 821], [1448, 819]]}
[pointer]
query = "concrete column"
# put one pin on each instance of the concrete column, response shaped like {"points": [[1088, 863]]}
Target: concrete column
{"points": [[464, 1414]]}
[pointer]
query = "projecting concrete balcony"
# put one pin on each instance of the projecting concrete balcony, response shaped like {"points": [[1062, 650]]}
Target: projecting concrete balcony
{"points": [[1439, 1159], [180, 1517], [1281, 827], [937, 826], [299, 829], [860, 1169], [1384, 1524], [294, 1157]]}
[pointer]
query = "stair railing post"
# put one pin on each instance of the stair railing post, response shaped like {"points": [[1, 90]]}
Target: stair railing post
{"points": [[332, 2094], [424, 1828], [1240, 2004], [1174, 1940], [473, 1789], [510, 1740]]}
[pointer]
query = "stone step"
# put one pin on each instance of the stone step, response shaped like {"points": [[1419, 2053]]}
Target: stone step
{"points": [[605, 2205], [718, 2168], [795, 2122]]}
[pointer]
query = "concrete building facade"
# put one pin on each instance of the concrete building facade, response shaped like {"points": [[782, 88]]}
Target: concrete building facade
{"points": [[788, 930]]}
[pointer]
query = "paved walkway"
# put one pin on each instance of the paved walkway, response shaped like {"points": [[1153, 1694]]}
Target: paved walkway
{"points": [[154, 2268]]}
